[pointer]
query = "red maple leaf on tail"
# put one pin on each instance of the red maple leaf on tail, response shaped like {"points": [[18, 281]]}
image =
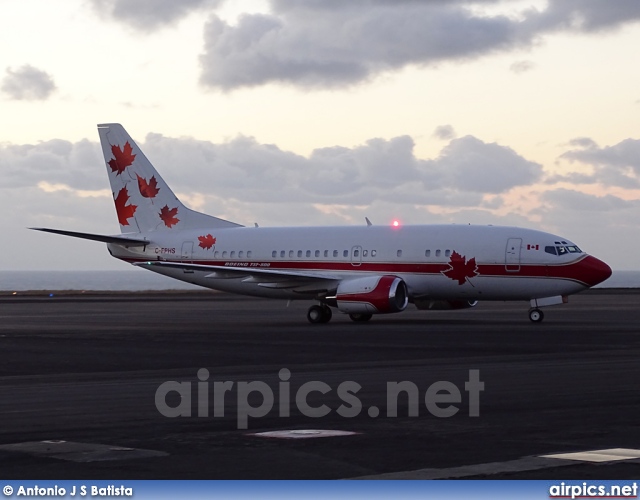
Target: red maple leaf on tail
{"points": [[122, 158], [148, 189], [206, 242], [124, 211], [168, 216], [461, 269]]}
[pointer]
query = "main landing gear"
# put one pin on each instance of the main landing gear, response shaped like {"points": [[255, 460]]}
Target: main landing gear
{"points": [[360, 318], [319, 314], [536, 315]]}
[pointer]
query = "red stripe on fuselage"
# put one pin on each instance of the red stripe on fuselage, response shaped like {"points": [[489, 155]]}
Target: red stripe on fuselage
{"points": [[587, 270]]}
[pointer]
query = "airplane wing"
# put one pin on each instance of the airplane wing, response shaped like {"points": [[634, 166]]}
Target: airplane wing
{"points": [[299, 281], [119, 240]]}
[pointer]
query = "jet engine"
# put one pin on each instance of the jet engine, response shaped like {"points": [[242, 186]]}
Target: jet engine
{"points": [[371, 295]]}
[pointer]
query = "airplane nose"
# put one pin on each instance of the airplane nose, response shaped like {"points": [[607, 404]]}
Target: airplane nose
{"points": [[593, 271]]}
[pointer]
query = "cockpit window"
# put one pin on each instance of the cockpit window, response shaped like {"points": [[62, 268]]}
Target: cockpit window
{"points": [[562, 249]]}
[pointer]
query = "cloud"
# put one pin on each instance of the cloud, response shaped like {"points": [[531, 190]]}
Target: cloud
{"points": [[444, 132], [345, 45], [149, 15], [328, 44], [243, 170], [583, 202], [28, 84], [617, 165], [520, 67], [470, 164]]}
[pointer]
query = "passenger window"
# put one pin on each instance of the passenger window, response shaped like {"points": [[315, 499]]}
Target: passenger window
{"points": [[291, 254], [551, 250], [437, 253], [365, 253], [447, 253], [241, 254], [216, 254], [249, 254], [345, 253], [274, 254], [224, 254], [317, 254], [399, 253], [356, 253], [282, 254], [233, 254], [326, 253], [308, 253], [335, 253], [373, 253], [299, 253], [427, 253]]}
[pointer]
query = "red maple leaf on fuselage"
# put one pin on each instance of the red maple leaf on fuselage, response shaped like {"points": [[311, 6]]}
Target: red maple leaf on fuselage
{"points": [[124, 211], [207, 241], [168, 216], [148, 189], [461, 269], [122, 158]]}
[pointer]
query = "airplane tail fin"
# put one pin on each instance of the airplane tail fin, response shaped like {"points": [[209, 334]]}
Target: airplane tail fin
{"points": [[144, 201]]}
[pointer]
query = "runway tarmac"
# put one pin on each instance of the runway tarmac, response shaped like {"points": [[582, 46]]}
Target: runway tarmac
{"points": [[85, 369]]}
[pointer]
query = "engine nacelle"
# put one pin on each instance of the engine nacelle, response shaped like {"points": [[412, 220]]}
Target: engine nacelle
{"points": [[443, 305], [371, 295]]}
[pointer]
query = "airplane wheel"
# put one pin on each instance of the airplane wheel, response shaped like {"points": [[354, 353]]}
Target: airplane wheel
{"points": [[319, 314], [536, 315], [360, 318], [327, 313]]}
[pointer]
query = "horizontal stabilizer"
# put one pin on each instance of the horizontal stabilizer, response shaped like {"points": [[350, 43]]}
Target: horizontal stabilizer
{"points": [[118, 240]]}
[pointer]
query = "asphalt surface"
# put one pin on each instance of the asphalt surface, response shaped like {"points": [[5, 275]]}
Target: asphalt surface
{"points": [[87, 368]]}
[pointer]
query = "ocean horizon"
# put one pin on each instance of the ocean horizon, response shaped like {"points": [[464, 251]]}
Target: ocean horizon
{"points": [[140, 280]]}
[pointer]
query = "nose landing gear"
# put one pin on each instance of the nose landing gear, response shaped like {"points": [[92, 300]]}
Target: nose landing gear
{"points": [[536, 315]]}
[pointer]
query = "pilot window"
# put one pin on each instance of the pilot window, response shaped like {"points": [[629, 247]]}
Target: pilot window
{"points": [[561, 249]]}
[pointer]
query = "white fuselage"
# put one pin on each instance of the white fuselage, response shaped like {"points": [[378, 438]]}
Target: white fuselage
{"points": [[435, 261]]}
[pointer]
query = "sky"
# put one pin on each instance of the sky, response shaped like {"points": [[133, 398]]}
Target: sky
{"points": [[324, 112]]}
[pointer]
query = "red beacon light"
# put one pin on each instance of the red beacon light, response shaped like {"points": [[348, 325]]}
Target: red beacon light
{"points": [[396, 223]]}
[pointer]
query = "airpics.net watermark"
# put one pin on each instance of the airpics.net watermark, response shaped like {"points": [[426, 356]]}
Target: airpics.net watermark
{"points": [[256, 399]]}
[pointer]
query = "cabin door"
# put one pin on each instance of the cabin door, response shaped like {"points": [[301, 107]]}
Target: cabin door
{"points": [[512, 255]]}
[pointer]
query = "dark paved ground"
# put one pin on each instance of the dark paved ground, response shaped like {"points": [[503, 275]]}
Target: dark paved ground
{"points": [[87, 368]]}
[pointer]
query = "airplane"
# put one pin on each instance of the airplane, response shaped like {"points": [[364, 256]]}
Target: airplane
{"points": [[361, 271]]}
